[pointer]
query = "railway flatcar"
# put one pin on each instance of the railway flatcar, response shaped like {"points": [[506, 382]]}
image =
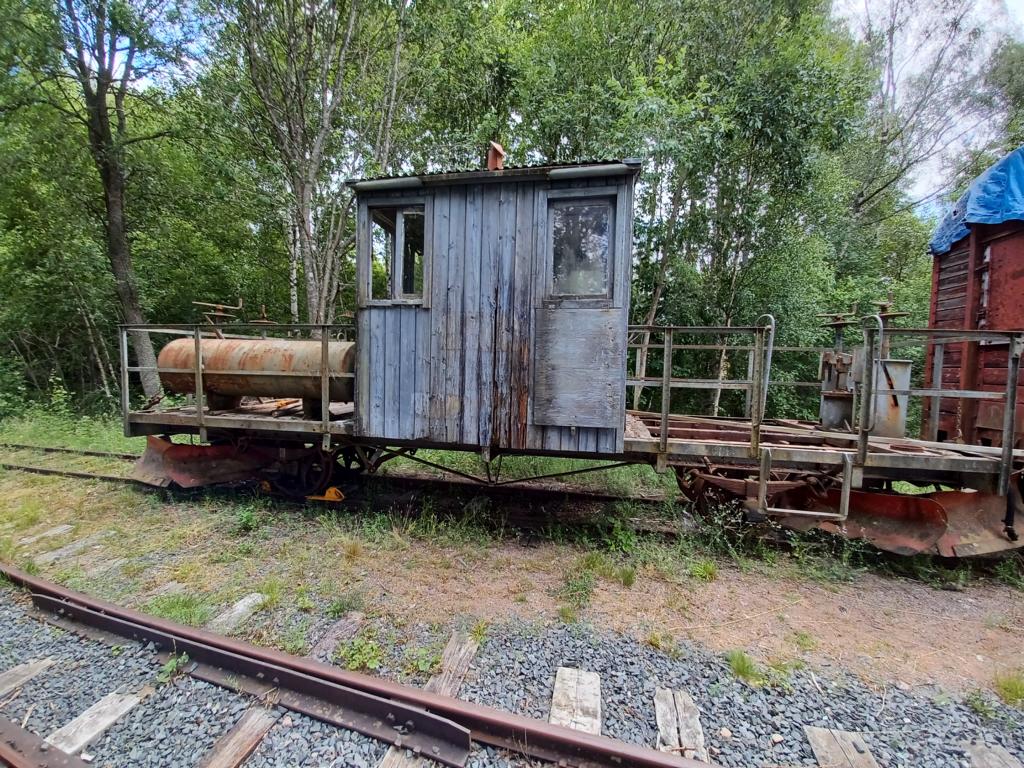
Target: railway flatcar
{"points": [[492, 316]]}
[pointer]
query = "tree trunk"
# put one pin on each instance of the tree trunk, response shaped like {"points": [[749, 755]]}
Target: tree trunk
{"points": [[119, 252]]}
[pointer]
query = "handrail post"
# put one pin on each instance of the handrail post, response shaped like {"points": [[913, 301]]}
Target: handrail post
{"points": [[938, 353], [867, 397], [763, 476], [1010, 414], [666, 389], [198, 373], [125, 400], [754, 390], [325, 388]]}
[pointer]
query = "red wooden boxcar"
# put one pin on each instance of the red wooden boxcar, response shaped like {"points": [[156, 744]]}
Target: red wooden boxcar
{"points": [[978, 284]]}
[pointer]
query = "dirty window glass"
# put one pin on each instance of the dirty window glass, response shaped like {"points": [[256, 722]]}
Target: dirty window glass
{"points": [[394, 274], [412, 253], [581, 241]]}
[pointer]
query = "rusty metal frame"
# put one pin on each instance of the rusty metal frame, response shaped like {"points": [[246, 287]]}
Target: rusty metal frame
{"points": [[20, 748], [202, 421]]}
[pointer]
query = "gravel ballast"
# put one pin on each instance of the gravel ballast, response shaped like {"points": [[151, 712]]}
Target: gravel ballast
{"points": [[515, 671]]}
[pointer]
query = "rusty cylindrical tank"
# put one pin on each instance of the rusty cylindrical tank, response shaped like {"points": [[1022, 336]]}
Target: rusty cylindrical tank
{"points": [[246, 367]]}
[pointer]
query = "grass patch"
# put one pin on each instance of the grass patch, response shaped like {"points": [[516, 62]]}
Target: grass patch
{"points": [[479, 631], [578, 588], [704, 569], [272, 588], [346, 602], [804, 640], [1009, 686], [664, 642], [1010, 571], [293, 640], [53, 424], [567, 614], [183, 607], [744, 667]]}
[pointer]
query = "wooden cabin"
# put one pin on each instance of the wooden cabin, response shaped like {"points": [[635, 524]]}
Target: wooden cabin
{"points": [[978, 284], [492, 308]]}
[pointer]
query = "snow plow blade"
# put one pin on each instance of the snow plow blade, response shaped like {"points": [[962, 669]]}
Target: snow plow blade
{"points": [[195, 466], [947, 523]]}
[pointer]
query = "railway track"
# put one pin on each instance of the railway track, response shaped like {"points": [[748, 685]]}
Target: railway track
{"points": [[534, 502], [399, 724]]}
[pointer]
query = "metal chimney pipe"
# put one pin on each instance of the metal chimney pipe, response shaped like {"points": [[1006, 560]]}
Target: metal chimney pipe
{"points": [[495, 157]]}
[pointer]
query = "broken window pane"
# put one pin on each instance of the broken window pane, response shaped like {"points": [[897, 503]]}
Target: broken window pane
{"points": [[581, 245], [382, 249], [397, 275], [412, 253]]}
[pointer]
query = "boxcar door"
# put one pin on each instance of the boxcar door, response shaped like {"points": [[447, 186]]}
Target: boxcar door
{"points": [[581, 318]]}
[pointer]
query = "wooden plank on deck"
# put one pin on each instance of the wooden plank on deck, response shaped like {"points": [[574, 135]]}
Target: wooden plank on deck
{"points": [[90, 725], [984, 756], [679, 729], [15, 677], [458, 655], [232, 749], [576, 700], [839, 749]]}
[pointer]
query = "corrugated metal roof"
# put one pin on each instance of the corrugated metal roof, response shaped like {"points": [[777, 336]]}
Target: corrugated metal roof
{"points": [[457, 174]]}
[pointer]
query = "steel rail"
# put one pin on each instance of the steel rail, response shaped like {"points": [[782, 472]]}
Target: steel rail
{"points": [[20, 748], [485, 725], [75, 451]]}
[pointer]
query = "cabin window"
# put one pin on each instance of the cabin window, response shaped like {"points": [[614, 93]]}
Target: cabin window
{"points": [[397, 253], [582, 234]]}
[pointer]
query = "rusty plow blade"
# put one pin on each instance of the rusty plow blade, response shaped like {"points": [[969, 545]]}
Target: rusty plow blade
{"points": [[194, 466], [947, 523]]}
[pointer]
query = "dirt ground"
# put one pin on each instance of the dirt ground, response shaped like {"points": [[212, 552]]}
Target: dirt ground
{"points": [[889, 631]]}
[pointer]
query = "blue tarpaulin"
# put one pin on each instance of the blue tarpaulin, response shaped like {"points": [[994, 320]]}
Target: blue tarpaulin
{"points": [[995, 196]]}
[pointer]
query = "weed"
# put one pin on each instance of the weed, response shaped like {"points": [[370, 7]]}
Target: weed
{"points": [[172, 668], [249, 517], [1009, 686], [978, 702], [352, 600], [425, 661], [182, 607], [744, 667], [664, 642], [578, 588], [479, 631], [627, 575], [303, 601], [567, 614], [361, 652], [351, 549], [293, 640], [703, 570], [804, 640], [272, 590], [1010, 571]]}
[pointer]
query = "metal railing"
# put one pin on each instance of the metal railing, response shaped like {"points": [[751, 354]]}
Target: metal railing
{"points": [[755, 385], [878, 338]]}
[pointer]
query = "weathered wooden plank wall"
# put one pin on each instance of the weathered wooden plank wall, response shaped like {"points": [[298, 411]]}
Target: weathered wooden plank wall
{"points": [[462, 371]]}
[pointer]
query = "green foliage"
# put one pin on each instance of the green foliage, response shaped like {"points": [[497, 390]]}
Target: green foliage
{"points": [[423, 661], [362, 652], [173, 667], [745, 668], [703, 570]]}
